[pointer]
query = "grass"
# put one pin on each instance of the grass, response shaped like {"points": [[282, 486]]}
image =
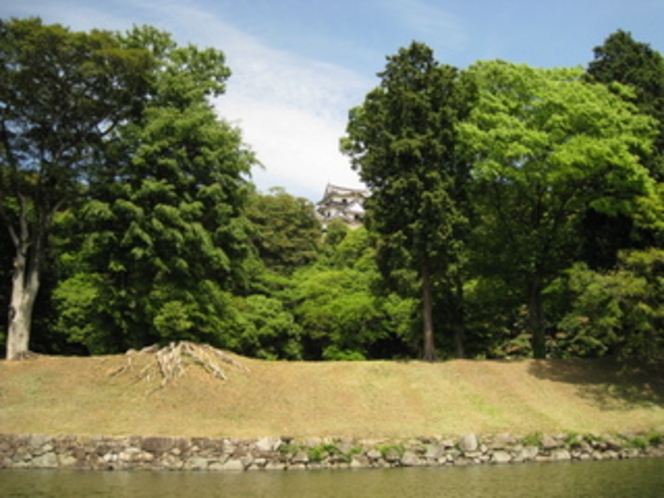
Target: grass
{"points": [[380, 399]]}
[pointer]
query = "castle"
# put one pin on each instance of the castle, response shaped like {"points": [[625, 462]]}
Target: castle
{"points": [[342, 203]]}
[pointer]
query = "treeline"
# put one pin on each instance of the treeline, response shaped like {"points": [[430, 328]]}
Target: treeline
{"points": [[515, 211]]}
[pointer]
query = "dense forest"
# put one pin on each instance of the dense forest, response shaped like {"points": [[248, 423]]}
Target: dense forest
{"points": [[514, 211]]}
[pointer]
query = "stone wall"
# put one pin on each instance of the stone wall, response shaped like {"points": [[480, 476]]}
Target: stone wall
{"points": [[284, 453]]}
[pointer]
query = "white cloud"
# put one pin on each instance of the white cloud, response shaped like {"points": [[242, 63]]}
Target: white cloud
{"points": [[303, 146], [292, 110]]}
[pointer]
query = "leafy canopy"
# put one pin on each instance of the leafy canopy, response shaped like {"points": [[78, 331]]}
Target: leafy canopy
{"points": [[546, 147], [164, 233]]}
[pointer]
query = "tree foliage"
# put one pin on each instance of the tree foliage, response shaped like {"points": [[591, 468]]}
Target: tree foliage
{"points": [[164, 232], [547, 146], [341, 314], [518, 210], [402, 141], [618, 312], [62, 94], [287, 232], [621, 59]]}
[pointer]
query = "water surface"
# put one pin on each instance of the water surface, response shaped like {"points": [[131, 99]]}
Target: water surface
{"points": [[641, 478]]}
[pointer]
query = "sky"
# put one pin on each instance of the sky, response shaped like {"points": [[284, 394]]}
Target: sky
{"points": [[299, 66]]}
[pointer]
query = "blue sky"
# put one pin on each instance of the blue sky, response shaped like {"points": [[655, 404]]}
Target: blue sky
{"points": [[300, 65]]}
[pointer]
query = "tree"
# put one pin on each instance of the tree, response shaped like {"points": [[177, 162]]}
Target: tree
{"points": [[623, 60], [402, 141], [164, 236], [61, 94], [266, 329], [620, 311], [340, 313], [6, 258], [287, 232], [547, 147]]}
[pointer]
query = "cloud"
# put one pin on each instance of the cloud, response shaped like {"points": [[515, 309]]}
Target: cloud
{"points": [[292, 110], [302, 147], [292, 113]]}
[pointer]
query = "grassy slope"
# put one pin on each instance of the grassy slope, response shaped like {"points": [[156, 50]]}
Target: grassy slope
{"points": [[365, 399]]}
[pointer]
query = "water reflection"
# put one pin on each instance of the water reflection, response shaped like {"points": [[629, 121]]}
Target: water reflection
{"points": [[643, 478]]}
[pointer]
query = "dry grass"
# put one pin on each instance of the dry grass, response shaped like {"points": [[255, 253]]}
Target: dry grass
{"points": [[57, 395]]}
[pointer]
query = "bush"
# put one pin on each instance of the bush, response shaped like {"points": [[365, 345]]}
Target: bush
{"points": [[533, 439], [389, 448], [322, 451]]}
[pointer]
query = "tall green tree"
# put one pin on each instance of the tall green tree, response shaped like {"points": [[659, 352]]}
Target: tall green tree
{"points": [[402, 141], [61, 94], [621, 59], [164, 236], [547, 147], [287, 233]]}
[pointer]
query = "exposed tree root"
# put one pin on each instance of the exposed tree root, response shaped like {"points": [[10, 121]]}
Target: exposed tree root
{"points": [[170, 362], [27, 355]]}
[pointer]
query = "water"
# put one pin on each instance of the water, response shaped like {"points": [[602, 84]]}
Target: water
{"points": [[641, 478]]}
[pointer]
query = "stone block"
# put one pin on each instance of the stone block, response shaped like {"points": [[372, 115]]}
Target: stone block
{"points": [[312, 442], [560, 454], [374, 455], [38, 440], [468, 443], [434, 451], [275, 466], [301, 457], [501, 457], [529, 452], [157, 445], [67, 461], [267, 444], [502, 441], [410, 459], [234, 465], [550, 443], [196, 463], [45, 461]]}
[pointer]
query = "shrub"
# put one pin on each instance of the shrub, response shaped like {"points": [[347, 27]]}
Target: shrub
{"points": [[320, 452], [655, 438], [533, 439], [572, 439], [288, 449], [398, 448]]}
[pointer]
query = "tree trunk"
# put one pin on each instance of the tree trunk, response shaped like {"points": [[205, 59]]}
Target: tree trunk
{"points": [[458, 322], [427, 310], [536, 318], [25, 285]]}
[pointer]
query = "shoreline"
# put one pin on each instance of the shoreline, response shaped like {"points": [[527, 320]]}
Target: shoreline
{"points": [[105, 453]]}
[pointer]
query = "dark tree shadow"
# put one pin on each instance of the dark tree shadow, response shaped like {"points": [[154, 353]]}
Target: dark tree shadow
{"points": [[609, 384]]}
